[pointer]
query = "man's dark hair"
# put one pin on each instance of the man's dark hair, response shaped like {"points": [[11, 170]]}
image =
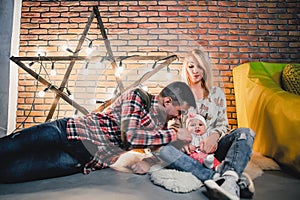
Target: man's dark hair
{"points": [[180, 92]]}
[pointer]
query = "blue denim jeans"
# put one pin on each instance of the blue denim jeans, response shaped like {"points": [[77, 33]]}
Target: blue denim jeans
{"points": [[41, 151], [234, 150]]}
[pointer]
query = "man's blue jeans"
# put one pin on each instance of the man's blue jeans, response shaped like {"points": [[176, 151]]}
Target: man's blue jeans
{"points": [[41, 151], [234, 150]]}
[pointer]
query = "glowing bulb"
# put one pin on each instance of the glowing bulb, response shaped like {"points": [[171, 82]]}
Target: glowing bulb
{"points": [[169, 75], [99, 64], [85, 71], [89, 50], [71, 96], [64, 47], [42, 92], [93, 101], [75, 114], [53, 72], [119, 71]]}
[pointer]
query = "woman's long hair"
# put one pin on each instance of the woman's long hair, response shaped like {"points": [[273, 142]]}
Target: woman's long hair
{"points": [[205, 64]]}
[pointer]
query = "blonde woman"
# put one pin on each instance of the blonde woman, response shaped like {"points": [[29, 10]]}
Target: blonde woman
{"points": [[232, 148]]}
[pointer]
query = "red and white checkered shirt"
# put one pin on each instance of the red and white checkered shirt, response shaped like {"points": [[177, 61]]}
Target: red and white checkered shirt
{"points": [[142, 128]]}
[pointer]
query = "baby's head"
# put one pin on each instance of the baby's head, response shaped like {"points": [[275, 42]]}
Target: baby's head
{"points": [[196, 123]]}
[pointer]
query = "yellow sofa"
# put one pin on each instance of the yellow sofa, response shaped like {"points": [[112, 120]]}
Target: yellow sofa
{"points": [[273, 113]]}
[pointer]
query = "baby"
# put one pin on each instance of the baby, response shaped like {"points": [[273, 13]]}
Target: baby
{"points": [[196, 123]]}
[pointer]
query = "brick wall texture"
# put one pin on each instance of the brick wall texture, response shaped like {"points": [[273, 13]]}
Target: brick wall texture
{"points": [[232, 33]]}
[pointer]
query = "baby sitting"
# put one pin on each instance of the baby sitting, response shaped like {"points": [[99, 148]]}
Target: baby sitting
{"points": [[196, 123]]}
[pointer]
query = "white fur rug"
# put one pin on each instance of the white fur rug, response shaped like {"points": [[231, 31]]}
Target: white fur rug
{"points": [[175, 181], [183, 182]]}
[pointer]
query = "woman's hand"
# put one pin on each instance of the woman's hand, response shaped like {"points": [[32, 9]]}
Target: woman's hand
{"points": [[210, 144]]}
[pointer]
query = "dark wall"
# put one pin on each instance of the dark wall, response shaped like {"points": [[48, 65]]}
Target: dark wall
{"points": [[6, 23]]}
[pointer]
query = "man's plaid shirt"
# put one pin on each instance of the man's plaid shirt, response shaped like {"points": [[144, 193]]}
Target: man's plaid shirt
{"points": [[142, 128]]}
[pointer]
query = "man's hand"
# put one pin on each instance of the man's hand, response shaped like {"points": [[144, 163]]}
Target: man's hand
{"points": [[141, 167], [184, 135]]}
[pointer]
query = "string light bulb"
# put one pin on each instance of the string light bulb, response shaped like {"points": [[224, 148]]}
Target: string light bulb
{"points": [[66, 48], [30, 64], [168, 69], [42, 92], [89, 50], [71, 96], [86, 70], [75, 113], [53, 71], [119, 70], [93, 101]]}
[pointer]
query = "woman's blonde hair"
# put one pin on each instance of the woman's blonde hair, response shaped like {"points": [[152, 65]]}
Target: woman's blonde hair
{"points": [[205, 64]]}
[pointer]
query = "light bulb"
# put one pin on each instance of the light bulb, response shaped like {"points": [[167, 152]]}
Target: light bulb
{"points": [[42, 92], [93, 101], [88, 51], [119, 71], [75, 113], [71, 96], [66, 48], [53, 72], [169, 76], [86, 71]]}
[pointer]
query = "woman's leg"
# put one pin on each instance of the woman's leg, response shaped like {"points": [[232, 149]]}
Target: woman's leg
{"points": [[235, 150], [180, 161]]}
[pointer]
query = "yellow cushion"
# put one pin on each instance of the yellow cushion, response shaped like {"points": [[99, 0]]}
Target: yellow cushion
{"points": [[291, 78]]}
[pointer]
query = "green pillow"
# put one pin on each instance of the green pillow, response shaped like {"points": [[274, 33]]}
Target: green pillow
{"points": [[290, 78]]}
